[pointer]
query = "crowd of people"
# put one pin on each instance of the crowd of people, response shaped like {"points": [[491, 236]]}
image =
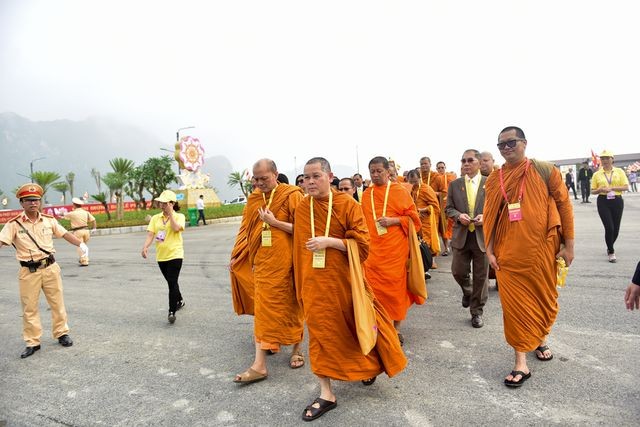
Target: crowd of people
{"points": [[338, 255]]}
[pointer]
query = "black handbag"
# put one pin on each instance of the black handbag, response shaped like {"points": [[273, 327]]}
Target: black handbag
{"points": [[427, 258]]}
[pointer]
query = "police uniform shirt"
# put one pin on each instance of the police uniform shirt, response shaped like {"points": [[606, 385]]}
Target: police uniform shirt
{"points": [[79, 218], [42, 230]]}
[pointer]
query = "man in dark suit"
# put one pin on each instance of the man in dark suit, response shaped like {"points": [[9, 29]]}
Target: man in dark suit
{"points": [[465, 204], [359, 188]]}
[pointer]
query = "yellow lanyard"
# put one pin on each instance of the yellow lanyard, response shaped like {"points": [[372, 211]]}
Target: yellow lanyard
{"points": [[264, 224], [384, 205], [313, 223]]}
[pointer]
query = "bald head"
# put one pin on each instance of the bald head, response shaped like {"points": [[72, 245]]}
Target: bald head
{"points": [[486, 163], [265, 175]]}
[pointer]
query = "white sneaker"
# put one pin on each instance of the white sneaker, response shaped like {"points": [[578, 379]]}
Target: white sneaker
{"points": [[612, 258]]}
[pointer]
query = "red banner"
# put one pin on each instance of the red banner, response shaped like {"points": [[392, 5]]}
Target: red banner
{"points": [[60, 210]]}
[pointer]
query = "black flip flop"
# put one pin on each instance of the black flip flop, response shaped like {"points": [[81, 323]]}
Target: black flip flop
{"points": [[523, 378], [542, 349], [324, 406], [369, 381]]}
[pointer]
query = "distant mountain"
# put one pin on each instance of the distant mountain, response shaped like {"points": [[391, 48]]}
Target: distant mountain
{"points": [[65, 146]]}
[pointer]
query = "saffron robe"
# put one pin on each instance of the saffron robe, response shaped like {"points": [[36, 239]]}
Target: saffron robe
{"points": [[526, 249], [325, 295], [424, 197], [386, 267], [278, 317]]}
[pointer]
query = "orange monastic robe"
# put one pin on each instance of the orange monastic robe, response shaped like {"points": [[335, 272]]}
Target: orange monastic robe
{"points": [[445, 225], [278, 317], [325, 294], [526, 249], [386, 267], [424, 196]]}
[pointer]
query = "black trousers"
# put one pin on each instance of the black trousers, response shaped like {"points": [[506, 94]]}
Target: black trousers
{"points": [[171, 270], [572, 186], [201, 217], [585, 189], [610, 211]]}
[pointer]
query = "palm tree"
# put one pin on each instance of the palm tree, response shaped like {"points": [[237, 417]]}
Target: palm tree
{"points": [[95, 173], [117, 179], [62, 187], [45, 179], [102, 198], [115, 182], [70, 178], [236, 179]]}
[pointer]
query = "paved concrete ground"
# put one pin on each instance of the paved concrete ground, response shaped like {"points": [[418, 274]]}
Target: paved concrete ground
{"points": [[129, 367]]}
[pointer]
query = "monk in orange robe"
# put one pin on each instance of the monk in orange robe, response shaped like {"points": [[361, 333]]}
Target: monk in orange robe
{"points": [[526, 227], [431, 178], [388, 208], [323, 222], [264, 245], [427, 204], [442, 181]]}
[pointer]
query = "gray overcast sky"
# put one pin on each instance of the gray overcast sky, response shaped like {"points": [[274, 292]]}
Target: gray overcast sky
{"points": [[285, 79]]}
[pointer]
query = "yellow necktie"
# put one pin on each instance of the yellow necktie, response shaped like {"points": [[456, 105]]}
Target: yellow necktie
{"points": [[471, 200]]}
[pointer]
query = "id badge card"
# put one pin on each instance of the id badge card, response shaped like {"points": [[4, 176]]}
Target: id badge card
{"points": [[319, 258], [266, 238], [611, 195], [515, 213], [161, 235], [380, 229]]}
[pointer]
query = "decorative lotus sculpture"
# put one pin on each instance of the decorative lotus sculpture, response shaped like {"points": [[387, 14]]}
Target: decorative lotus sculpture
{"points": [[190, 156]]}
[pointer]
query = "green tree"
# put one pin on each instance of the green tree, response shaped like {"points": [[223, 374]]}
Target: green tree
{"points": [[134, 186], [45, 179], [62, 187], [117, 179], [95, 173], [114, 181], [235, 179], [102, 198], [158, 174], [70, 178]]}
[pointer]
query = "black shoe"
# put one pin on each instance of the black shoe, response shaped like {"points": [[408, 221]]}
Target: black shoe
{"points": [[172, 317], [476, 321], [65, 340], [180, 305], [588, 201], [466, 300], [427, 275], [29, 351]]}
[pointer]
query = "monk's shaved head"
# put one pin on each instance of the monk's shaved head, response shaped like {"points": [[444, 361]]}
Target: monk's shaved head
{"points": [[324, 163], [268, 163]]}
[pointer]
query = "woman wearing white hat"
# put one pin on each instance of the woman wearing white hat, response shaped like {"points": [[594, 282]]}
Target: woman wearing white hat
{"points": [[166, 229], [609, 183]]}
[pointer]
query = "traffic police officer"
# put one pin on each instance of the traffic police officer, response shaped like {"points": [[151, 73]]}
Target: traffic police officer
{"points": [[80, 221], [31, 233]]}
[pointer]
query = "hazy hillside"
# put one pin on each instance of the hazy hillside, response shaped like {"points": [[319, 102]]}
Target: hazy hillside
{"points": [[79, 146]]}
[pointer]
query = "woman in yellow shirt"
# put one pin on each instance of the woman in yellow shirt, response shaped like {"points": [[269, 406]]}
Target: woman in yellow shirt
{"points": [[609, 183], [166, 229]]}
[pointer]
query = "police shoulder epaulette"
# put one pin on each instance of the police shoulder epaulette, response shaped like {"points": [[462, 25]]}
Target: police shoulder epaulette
{"points": [[15, 218], [47, 215]]}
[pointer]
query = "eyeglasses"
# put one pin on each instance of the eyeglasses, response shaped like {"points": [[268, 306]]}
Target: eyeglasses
{"points": [[345, 188], [511, 143], [468, 160], [31, 200]]}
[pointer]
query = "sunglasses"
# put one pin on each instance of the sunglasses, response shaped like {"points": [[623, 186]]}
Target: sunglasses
{"points": [[511, 144], [301, 181], [467, 160], [345, 189], [30, 200]]}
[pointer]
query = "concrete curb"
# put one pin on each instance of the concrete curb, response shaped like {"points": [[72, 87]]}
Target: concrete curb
{"points": [[139, 228]]}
